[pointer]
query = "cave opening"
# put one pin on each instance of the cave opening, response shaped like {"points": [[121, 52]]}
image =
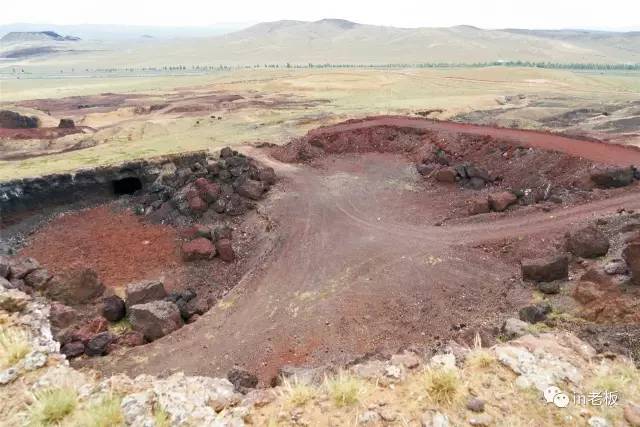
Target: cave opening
{"points": [[128, 185]]}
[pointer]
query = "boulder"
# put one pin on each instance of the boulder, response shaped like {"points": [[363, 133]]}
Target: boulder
{"points": [[155, 319], [207, 190], [588, 242], [267, 175], [225, 250], [144, 291], [631, 255], [514, 328], [131, 339], [545, 269], [66, 124], [61, 316], [189, 308], [476, 183], [446, 175], [38, 278], [72, 349], [196, 204], [222, 232], [242, 379], [113, 308], [75, 287], [21, 267], [199, 248], [478, 206], [534, 313], [98, 344], [612, 177], [251, 189], [549, 288], [502, 200]]}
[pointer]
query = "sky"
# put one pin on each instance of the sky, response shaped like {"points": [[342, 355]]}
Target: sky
{"points": [[552, 14]]}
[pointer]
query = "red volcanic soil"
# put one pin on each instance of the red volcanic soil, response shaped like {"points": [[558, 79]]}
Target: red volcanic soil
{"points": [[591, 150], [361, 261], [40, 133], [117, 244]]}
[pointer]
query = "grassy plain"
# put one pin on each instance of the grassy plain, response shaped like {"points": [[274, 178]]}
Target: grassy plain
{"points": [[333, 95]]}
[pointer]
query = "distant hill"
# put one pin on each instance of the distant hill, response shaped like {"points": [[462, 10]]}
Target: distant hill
{"points": [[338, 41], [35, 36]]}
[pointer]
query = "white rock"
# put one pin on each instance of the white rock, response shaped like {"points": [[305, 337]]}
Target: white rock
{"points": [[598, 422], [194, 400], [34, 360], [514, 328], [434, 419], [447, 361], [137, 408], [369, 417], [8, 375]]}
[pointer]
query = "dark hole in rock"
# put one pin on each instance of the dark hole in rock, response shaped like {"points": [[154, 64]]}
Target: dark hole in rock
{"points": [[127, 185]]}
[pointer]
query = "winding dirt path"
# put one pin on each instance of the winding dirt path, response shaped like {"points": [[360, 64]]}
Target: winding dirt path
{"points": [[360, 266]]}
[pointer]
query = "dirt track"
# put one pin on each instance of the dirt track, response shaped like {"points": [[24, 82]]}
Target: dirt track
{"points": [[591, 150], [359, 265]]}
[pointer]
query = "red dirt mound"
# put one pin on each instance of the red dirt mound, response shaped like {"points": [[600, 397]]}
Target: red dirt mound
{"points": [[118, 245]]}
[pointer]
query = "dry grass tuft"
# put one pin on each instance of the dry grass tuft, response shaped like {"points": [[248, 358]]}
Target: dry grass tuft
{"points": [[161, 418], [51, 406], [345, 389], [121, 326], [105, 413], [297, 393], [442, 385], [14, 345]]}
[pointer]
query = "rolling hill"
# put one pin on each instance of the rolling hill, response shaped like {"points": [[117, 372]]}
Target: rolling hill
{"points": [[338, 41]]}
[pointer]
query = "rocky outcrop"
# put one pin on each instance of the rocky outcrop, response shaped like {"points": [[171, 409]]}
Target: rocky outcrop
{"points": [[540, 362], [13, 120], [90, 185]]}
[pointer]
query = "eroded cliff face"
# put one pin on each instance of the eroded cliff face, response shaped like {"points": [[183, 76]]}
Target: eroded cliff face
{"points": [[90, 185]]}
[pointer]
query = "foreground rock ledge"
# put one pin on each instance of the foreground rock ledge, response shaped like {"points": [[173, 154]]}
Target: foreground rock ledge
{"points": [[528, 363]]}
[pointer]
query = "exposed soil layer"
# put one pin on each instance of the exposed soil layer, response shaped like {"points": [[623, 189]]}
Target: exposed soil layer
{"points": [[591, 150], [118, 245]]}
